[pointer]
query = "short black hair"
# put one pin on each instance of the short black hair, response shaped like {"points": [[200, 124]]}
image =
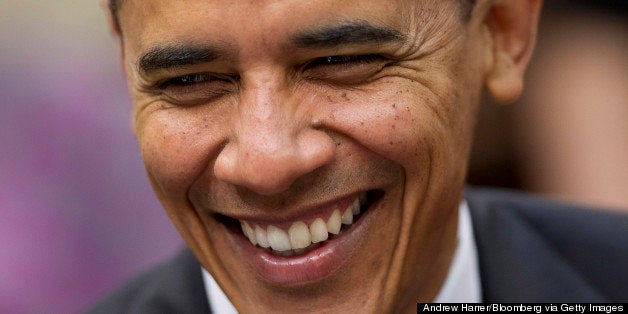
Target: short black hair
{"points": [[114, 6]]}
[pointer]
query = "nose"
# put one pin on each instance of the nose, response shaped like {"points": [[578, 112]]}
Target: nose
{"points": [[272, 142]]}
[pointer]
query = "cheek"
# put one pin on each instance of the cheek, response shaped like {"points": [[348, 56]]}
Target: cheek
{"points": [[175, 146], [403, 124]]}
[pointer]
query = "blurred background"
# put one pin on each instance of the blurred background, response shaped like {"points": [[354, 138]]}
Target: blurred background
{"points": [[567, 136], [77, 215]]}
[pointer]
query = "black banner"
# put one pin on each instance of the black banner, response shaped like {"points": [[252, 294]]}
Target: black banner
{"points": [[536, 308]]}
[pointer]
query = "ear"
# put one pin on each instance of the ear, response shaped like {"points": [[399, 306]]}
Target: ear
{"points": [[513, 27], [113, 28], [111, 20]]}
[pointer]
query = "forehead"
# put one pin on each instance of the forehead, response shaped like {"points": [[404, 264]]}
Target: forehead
{"points": [[146, 22]]}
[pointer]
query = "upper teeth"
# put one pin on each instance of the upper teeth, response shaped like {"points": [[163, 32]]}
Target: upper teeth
{"points": [[300, 235]]}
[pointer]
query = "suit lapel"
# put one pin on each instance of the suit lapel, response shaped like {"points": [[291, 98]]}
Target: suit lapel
{"points": [[517, 263], [182, 287]]}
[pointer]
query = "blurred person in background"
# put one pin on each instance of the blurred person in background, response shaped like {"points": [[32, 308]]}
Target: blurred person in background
{"points": [[568, 135], [264, 132], [574, 143]]}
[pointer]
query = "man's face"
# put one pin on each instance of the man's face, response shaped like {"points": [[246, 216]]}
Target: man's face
{"points": [[283, 116]]}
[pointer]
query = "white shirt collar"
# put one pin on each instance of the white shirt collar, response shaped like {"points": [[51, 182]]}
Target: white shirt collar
{"points": [[218, 301], [461, 285]]}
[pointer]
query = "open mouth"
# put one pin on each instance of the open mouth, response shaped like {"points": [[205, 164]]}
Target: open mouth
{"points": [[303, 236]]}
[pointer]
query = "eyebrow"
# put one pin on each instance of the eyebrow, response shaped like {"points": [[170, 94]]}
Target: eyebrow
{"points": [[170, 56], [175, 55], [348, 33]]}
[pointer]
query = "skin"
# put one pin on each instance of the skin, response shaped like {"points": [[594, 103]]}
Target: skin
{"points": [[278, 132]]}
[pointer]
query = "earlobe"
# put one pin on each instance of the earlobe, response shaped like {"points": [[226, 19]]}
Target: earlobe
{"points": [[505, 81], [512, 26]]}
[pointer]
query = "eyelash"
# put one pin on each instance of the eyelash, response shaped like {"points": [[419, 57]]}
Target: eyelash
{"points": [[346, 60], [343, 60], [189, 79]]}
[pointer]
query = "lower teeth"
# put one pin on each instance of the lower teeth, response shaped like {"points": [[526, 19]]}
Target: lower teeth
{"points": [[295, 252]]}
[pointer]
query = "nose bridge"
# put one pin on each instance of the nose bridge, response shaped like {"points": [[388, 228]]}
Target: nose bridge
{"points": [[265, 113], [272, 145], [266, 122], [266, 128]]}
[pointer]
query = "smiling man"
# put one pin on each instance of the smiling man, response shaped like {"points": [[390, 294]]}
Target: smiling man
{"points": [[312, 154]]}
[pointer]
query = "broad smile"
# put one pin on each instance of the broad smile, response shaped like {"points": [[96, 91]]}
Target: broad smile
{"points": [[306, 249], [303, 236]]}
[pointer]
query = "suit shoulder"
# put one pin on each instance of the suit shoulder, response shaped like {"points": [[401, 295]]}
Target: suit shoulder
{"points": [[589, 243], [550, 216], [174, 286]]}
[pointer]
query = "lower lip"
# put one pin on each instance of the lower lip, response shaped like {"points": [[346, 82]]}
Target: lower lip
{"points": [[313, 266]]}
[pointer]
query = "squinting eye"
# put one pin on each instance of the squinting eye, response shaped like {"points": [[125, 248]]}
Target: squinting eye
{"points": [[343, 60], [338, 59], [188, 80], [346, 69], [192, 89]]}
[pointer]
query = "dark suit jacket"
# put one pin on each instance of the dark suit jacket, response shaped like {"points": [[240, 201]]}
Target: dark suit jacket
{"points": [[530, 250]]}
